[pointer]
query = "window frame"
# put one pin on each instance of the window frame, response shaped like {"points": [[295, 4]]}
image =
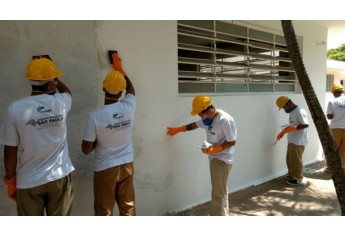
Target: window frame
{"points": [[259, 64]]}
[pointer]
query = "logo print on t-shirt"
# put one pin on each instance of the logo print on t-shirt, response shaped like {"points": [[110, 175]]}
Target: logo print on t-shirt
{"points": [[119, 125], [41, 109], [46, 122], [342, 105], [115, 116]]}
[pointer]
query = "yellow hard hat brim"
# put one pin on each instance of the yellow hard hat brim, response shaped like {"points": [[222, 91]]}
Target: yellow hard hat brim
{"points": [[193, 113]]}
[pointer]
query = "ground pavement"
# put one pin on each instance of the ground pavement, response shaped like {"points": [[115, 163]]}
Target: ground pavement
{"points": [[276, 198]]}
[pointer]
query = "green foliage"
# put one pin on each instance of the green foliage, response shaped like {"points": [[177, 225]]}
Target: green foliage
{"points": [[337, 54]]}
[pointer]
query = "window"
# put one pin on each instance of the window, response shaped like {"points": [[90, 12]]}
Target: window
{"points": [[329, 82], [219, 57]]}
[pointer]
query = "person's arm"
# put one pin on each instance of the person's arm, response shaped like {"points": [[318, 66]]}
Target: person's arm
{"points": [[174, 130], [298, 127], [218, 147], [10, 160], [129, 87], [330, 113], [227, 144], [117, 65], [88, 146], [291, 129], [62, 88], [191, 126]]}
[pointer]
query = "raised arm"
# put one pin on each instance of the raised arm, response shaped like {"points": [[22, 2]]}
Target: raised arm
{"points": [[130, 87], [62, 88], [117, 65]]}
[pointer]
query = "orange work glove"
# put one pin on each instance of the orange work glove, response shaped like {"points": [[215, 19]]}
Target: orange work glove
{"points": [[117, 65], [212, 150], [11, 187], [172, 131], [286, 130]]}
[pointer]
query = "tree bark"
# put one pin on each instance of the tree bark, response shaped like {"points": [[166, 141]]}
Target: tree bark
{"points": [[325, 135]]}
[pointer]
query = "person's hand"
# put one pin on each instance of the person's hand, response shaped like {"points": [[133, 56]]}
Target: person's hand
{"points": [[174, 130], [213, 149], [286, 130], [280, 135], [11, 187], [117, 65]]}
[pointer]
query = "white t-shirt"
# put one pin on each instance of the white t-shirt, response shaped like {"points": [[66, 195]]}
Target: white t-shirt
{"points": [[298, 117], [337, 107], [222, 128], [37, 124], [111, 127]]}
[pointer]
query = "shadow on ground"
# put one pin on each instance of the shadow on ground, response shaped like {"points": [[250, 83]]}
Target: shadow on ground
{"points": [[276, 198]]}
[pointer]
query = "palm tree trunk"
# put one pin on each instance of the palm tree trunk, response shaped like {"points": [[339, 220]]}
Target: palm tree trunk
{"points": [[327, 141]]}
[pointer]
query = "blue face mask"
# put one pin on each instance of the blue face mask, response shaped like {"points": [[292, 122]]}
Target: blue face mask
{"points": [[287, 110], [207, 121]]}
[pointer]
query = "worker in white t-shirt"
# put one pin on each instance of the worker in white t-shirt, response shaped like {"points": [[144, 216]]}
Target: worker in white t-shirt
{"points": [[336, 113], [108, 131], [221, 135], [39, 177], [297, 136]]}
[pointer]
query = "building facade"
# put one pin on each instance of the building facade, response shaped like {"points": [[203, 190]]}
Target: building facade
{"points": [[245, 69]]}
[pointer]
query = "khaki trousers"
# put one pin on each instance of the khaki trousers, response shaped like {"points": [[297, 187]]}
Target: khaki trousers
{"points": [[55, 197], [294, 160], [114, 185], [339, 137], [220, 170]]}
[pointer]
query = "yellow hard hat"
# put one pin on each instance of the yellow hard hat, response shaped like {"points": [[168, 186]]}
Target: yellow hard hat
{"points": [[282, 101], [336, 87], [42, 69], [114, 82], [200, 103]]}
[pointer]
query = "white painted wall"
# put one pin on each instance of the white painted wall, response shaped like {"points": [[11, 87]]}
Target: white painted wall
{"points": [[171, 174]]}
